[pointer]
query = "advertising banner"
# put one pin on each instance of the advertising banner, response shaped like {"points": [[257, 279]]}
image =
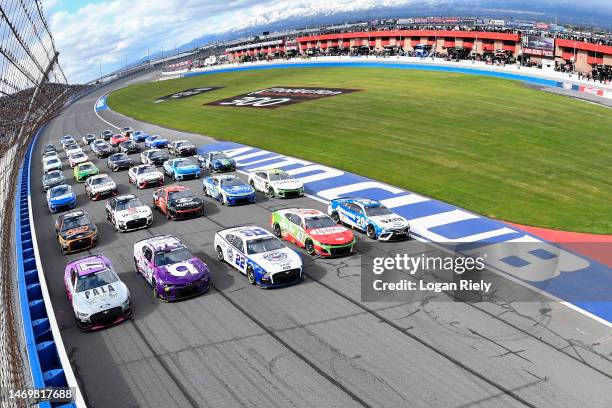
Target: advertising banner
{"points": [[536, 45]]}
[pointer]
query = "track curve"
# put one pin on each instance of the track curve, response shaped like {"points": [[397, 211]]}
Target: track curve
{"points": [[310, 345]]}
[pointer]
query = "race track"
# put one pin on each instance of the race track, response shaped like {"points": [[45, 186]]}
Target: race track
{"points": [[309, 345]]}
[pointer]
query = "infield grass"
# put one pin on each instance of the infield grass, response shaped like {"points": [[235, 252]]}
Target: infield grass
{"points": [[489, 145]]}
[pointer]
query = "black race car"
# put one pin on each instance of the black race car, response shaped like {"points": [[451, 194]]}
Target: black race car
{"points": [[102, 150], [48, 148], [119, 161], [106, 134], [88, 138], [129, 147], [182, 148]]}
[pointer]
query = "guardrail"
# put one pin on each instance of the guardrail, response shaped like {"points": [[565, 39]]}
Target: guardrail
{"points": [[47, 357]]}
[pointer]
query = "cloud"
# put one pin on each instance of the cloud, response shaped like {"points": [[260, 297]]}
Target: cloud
{"points": [[105, 33]]}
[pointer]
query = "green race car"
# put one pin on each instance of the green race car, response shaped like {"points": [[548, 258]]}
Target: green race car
{"points": [[84, 170]]}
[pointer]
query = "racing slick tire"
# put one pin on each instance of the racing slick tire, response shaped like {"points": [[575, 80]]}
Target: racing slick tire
{"points": [[371, 232], [336, 217], [136, 267], [251, 275], [309, 245], [219, 254], [252, 183], [168, 215], [270, 192], [276, 229], [155, 291]]}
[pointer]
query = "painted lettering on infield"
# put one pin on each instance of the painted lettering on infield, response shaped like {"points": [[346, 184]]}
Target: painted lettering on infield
{"points": [[275, 97], [187, 93]]}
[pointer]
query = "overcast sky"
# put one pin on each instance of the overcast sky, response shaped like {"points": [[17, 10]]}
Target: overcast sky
{"points": [[94, 33]]}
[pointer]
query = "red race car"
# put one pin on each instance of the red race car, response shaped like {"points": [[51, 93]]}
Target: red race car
{"points": [[177, 202], [118, 138]]}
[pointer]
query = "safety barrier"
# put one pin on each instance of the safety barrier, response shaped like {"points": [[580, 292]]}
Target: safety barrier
{"points": [[40, 330]]}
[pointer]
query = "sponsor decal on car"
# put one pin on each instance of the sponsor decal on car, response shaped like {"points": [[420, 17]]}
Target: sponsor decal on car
{"points": [[187, 93], [278, 96]]}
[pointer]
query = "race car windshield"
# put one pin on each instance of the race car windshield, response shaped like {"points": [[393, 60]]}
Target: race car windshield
{"points": [[60, 191], [126, 205], [184, 163], [232, 183], [218, 157], [176, 256], [120, 156], [319, 222], [53, 176], [100, 180], [376, 211], [279, 176], [95, 280], [159, 154], [78, 156], [86, 167], [180, 194], [52, 161], [75, 222], [147, 170], [258, 246]]}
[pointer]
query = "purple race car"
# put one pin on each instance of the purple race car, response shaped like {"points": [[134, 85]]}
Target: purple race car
{"points": [[97, 295], [170, 268]]}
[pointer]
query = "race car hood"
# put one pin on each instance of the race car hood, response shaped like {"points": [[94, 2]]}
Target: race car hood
{"points": [[101, 298], [287, 184], [153, 175], [187, 169], [189, 271], [390, 221], [185, 203], [122, 161], [278, 260], [105, 148], [239, 190], [223, 162], [104, 186], [186, 147], [331, 235], [80, 232], [53, 182], [133, 213], [64, 198], [159, 159]]}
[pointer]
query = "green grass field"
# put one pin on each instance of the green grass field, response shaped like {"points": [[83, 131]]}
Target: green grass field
{"points": [[489, 145]]}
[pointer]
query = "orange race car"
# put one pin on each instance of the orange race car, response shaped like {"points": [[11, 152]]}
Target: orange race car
{"points": [[115, 140], [75, 232], [177, 202]]}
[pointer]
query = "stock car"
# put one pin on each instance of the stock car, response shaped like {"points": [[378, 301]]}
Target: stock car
{"points": [[101, 149], [129, 147], [50, 154], [177, 202], [97, 296], [181, 169], [118, 138], [145, 175], [258, 254], [182, 148], [276, 183], [48, 148], [66, 140], [139, 136], [61, 198], [53, 163], [229, 190], [84, 170], [75, 232], [155, 157], [73, 149], [369, 216], [100, 186], [313, 230], [127, 213], [127, 131], [52, 179], [77, 158], [88, 138], [119, 161], [106, 135], [170, 268], [216, 162], [156, 141]]}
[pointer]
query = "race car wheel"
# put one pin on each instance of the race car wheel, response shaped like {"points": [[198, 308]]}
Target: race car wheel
{"points": [[336, 217], [371, 231], [271, 192], [252, 183], [223, 200], [250, 275], [168, 216], [310, 247], [277, 230], [155, 290], [219, 254], [136, 266], [107, 216]]}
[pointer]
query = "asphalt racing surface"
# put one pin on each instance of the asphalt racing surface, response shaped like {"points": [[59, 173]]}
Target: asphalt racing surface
{"points": [[314, 344]]}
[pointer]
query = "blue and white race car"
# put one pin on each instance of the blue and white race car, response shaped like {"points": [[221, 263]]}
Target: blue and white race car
{"points": [[369, 216], [229, 190], [156, 141], [216, 162], [61, 198], [139, 136], [258, 254], [181, 169]]}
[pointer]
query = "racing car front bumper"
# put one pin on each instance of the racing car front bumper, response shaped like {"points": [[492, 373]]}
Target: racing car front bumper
{"points": [[104, 194], [394, 234], [242, 199], [284, 278], [133, 225], [78, 244], [106, 318], [171, 293], [298, 192], [327, 251], [55, 208], [151, 183], [187, 176], [186, 213]]}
